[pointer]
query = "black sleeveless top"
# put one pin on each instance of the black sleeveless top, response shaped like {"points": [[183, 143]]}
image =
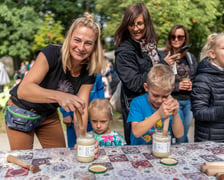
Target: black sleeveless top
{"points": [[55, 79]]}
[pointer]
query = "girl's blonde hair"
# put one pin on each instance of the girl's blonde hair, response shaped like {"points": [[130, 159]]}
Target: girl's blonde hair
{"points": [[210, 44], [101, 106], [95, 61], [161, 76]]}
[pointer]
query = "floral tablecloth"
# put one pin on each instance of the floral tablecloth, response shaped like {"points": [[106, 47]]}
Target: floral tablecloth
{"points": [[124, 162]]}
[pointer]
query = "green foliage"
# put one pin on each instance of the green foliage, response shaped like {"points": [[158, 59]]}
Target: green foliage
{"points": [[17, 27], [199, 17], [64, 10], [25, 24], [49, 32]]}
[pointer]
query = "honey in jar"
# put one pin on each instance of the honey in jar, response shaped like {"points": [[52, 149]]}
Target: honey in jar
{"points": [[85, 148], [161, 144]]}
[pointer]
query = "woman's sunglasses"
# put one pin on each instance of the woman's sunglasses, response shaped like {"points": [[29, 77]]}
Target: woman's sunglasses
{"points": [[179, 37]]}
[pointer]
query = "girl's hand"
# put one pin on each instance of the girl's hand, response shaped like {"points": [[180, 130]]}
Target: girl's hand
{"points": [[171, 59], [67, 120], [96, 149]]}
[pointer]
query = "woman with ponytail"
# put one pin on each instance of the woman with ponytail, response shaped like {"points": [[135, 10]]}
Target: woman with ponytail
{"points": [[62, 76]]}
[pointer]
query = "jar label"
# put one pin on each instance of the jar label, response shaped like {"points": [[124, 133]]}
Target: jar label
{"points": [[85, 151], [161, 147]]}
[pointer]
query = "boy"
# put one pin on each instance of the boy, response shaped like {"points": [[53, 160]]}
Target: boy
{"points": [[148, 111]]}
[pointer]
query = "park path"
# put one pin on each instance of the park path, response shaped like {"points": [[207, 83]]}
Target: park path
{"points": [[4, 143]]}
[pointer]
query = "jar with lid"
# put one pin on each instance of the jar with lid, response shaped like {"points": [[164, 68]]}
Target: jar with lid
{"points": [[161, 144], [85, 148]]}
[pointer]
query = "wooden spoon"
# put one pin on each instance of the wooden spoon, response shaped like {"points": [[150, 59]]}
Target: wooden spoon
{"points": [[166, 126], [80, 123], [15, 160]]}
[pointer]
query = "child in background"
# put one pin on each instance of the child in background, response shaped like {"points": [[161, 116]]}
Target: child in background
{"points": [[101, 114], [207, 92], [148, 111]]}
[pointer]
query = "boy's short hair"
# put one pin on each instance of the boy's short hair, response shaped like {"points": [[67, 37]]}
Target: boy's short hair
{"points": [[101, 106], [161, 76]]}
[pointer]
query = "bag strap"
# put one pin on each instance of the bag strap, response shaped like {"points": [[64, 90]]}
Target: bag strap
{"points": [[21, 115], [189, 57]]}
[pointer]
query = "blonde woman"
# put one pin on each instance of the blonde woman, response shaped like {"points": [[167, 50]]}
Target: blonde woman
{"points": [[62, 76]]}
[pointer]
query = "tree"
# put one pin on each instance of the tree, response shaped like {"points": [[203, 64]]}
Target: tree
{"points": [[198, 16], [49, 32], [113, 10], [17, 28], [24, 17]]}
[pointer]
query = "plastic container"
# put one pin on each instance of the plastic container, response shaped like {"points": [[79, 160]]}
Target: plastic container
{"points": [[161, 144], [85, 148]]}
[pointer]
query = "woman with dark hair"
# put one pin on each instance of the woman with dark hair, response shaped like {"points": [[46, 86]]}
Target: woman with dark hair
{"points": [[136, 52], [184, 66]]}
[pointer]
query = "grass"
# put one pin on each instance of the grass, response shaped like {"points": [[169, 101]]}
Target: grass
{"points": [[117, 123], [2, 122]]}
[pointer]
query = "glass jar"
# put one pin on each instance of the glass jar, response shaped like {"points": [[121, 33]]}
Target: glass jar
{"points": [[161, 144], [85, 148]]}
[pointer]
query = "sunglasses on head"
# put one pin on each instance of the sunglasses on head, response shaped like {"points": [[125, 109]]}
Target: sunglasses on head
{"points": [[179, 37]]}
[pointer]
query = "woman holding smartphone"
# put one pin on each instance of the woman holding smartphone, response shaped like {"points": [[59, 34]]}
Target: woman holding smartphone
{"points": [[184, 66]]}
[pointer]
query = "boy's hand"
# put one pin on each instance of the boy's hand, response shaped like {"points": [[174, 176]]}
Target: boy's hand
{"points": [[171, 105], [175, 107], [164, 111]]}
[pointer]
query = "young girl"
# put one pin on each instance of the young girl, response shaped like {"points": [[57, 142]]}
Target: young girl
{"points": [[101, 114], [207, 92]]}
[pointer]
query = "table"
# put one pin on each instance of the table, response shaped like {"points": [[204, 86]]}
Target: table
{"points": [[124, 162]]}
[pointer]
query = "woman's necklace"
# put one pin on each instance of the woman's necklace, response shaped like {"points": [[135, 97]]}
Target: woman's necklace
{"points": [[75, 71]]}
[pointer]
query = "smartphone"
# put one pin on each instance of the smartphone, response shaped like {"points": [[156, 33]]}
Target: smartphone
{"points": [[182, 49]]}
